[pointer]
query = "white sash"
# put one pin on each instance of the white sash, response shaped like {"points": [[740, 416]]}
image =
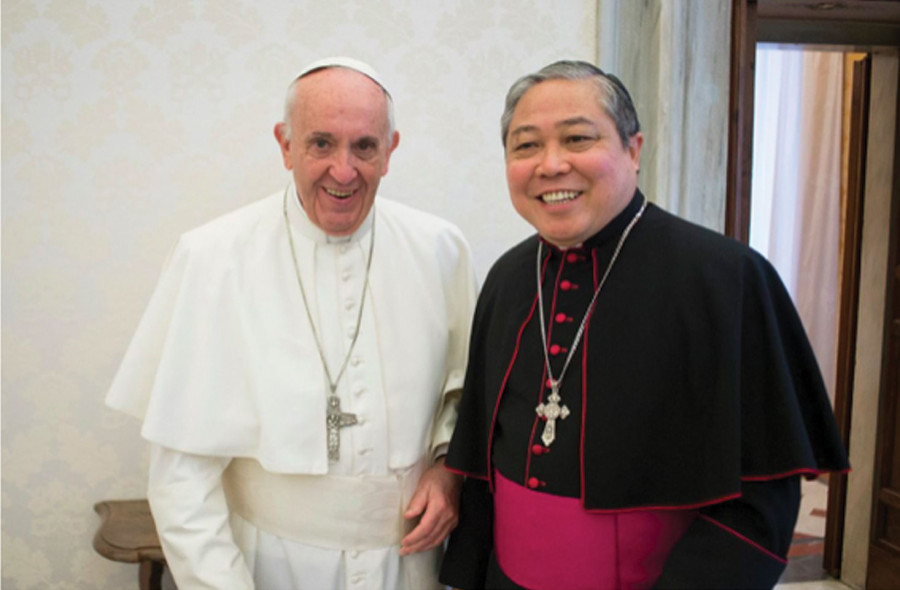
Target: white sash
{"points": [[335, 512]]}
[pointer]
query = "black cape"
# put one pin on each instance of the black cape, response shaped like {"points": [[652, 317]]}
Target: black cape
{"points": [[707, 395]]}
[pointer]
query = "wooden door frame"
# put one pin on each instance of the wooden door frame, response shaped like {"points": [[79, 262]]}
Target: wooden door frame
{"points": [[886, 402], [852, 23], [848, 311], [740, 126]]}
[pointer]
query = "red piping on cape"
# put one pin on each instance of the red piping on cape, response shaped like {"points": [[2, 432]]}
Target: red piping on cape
{"points": [[661, 508], [544, 376], [798, 471], [584, 380], [645, 508], [490, 470], [618, 510], [743, 538]]}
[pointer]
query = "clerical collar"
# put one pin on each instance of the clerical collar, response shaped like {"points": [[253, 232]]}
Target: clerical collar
{"points": [[609, 232], [306, 228]]}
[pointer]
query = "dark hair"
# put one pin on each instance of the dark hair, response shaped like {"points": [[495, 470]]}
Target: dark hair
{"points": [[613, 96]]}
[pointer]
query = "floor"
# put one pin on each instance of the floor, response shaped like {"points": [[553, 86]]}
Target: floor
{"points": [[804, 570]]}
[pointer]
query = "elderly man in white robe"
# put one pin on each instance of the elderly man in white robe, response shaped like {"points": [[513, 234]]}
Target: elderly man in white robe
{"points": [[299, 365]]}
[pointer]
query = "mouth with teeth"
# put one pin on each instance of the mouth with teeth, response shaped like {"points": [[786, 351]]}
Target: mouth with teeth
{"points": [[554, 197], [338, 194]]}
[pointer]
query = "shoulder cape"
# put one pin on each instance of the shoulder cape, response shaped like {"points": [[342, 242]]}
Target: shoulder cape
{"points": [[700, 375]]}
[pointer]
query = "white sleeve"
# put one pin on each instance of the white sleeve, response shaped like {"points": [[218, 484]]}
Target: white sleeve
{"points": [[192, 519], [462, 297]]}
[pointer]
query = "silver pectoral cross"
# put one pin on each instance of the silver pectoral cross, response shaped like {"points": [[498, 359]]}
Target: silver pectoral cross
{"points": [[550, 411], [334, 421]]}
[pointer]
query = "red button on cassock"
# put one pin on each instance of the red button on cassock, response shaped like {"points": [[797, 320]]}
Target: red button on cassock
{"points": [[533, 483], [537, 449], [548, 383], [560, 318], [571, 257], [565, 285], [554, 349]]}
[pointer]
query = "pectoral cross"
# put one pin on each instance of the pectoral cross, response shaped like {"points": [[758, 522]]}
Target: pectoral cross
{"points": [[550, 411], [334, 421]]}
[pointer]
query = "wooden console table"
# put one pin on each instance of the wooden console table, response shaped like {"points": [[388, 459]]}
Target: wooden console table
{"points": [[127, 533]]}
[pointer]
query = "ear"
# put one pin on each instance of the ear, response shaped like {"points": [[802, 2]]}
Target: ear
{"points": [[284, 144], [634, 149], [395, 141]]}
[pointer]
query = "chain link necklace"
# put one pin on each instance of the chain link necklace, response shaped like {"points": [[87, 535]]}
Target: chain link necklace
{"points": [[551, 410], [334, 418]]}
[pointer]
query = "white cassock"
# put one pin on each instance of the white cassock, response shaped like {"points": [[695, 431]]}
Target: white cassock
{"points": [[225, 373]]}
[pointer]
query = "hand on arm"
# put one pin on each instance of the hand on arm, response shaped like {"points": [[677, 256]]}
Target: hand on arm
{"points": [[436, 500]]}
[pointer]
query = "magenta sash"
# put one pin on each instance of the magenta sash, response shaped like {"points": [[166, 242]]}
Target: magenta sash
{"points": [[547, 542]]}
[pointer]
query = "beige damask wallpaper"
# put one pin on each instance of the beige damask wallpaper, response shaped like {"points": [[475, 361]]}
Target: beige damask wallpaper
{"points": [[126, 122]]}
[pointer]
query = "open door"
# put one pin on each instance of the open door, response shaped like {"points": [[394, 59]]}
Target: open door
{"points": [[862, 25], [884, 547]]}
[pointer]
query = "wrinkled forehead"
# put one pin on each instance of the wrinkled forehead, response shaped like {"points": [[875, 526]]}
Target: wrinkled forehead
{"points": [[340, 103]]}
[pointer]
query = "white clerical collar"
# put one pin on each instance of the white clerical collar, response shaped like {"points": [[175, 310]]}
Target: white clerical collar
{"points": [[300, 221]]}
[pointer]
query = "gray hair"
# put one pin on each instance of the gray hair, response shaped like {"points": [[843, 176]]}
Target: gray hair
{"points": [[613, 96], [291, 99]]}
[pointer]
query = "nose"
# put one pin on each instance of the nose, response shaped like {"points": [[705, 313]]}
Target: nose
{"points": [[343, 167], [553, 162]]}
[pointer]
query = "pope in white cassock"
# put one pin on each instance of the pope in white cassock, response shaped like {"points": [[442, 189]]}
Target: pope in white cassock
{"points": [[298, 367]]}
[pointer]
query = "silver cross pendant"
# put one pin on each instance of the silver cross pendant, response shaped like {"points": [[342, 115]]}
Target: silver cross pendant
{"points": [[334, 421], [550, 411]]}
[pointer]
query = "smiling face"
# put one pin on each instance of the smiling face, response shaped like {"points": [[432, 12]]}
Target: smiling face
{"points": [[567, 170], [339, 147]]}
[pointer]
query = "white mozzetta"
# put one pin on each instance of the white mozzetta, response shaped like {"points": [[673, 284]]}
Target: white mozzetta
{"points": [[224, 363]]}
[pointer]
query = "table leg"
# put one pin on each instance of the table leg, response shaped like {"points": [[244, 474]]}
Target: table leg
{"points": [[150, 575]]}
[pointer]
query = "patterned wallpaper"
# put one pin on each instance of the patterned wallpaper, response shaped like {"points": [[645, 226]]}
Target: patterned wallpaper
{"points": [[126, 122]]}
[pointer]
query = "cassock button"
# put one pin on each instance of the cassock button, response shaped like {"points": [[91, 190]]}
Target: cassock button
{"points": [[538, 449], [534, 483], [561, 318], [571, 257], [554, 349], [565, 285], [548, 383]]}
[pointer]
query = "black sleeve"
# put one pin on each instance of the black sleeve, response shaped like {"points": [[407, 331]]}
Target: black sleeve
{"points": [[742, 543], [472, 541]]}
